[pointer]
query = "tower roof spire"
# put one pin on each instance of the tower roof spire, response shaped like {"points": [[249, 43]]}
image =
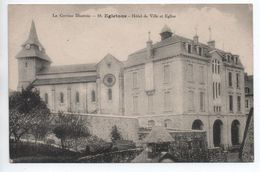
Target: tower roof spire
{"points": [[33, 37]]}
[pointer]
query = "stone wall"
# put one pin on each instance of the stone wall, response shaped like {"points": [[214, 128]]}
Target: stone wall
{"points": [[101, 126], [217, 155]]}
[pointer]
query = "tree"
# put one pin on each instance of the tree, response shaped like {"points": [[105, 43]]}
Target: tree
{"points": [[41, 130], [70, 127], [26, 111], [115, 134]]}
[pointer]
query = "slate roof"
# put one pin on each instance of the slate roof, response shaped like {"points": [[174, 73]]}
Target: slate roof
{"points": [[158, 134], [139, 56], [34, 49], [67, 80], [91, 67]]}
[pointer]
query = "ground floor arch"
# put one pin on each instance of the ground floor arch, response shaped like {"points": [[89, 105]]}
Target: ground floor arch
{"points": [[235, 132], [197, 125], [217, 133]]}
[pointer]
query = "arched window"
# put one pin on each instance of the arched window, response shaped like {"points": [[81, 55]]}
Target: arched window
{"points": [[77, 97], [218, 67], [151, 123], [61, 97], [46, 98], [109, 94], [167, 123], [93, 96]]}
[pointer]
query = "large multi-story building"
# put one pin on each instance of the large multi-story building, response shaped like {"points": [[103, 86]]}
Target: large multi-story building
{"points": [[178, 83]]}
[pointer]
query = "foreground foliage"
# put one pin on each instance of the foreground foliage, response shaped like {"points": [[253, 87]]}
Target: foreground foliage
{"points": [[27, 113]]}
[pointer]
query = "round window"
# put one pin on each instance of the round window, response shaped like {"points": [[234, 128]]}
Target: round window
{"points": [[109, 80]]}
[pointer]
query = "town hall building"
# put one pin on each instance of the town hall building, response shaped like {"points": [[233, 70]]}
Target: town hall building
{"points": [[178, 83]]}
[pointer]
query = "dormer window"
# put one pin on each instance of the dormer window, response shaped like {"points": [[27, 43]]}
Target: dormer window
{"points": [[236, 60], [27, 46], [228, 57], [232, 58]]}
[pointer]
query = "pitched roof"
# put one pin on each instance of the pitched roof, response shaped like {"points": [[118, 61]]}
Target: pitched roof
{"points": [[68, 80], [158, 134], [90, 67], [33, 52]]}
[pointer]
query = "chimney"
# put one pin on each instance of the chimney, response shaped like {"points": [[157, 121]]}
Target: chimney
{"points": [[211, 44], [149, 47], [196, 39]]}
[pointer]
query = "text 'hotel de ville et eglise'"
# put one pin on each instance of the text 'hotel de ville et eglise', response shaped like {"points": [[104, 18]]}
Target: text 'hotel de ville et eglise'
{"points": [[176, 83]]}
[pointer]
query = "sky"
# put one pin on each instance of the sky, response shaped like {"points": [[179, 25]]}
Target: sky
{"points": [[76, 40]]}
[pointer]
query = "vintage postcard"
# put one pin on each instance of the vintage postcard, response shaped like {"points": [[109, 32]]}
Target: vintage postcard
{"points": [[130, 83]]}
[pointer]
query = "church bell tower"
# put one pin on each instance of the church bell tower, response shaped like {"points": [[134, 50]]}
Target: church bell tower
{"points": [[31, 59]]}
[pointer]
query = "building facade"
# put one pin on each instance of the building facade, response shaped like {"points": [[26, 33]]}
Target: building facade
{"points": [[178, 83], [249, 92]]}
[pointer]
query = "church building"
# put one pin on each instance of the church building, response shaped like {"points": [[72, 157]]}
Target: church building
{"points": [[178, 83]]}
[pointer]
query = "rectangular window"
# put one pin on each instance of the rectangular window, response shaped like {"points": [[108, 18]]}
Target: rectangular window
{"points": [[238, 103], [229, 79], [202, 101], [247, 103], [191, 101], [213, 90], [200, 51], [167, 101], [237, 78], [219, 89], [201, 80], [231, 103], [190, 72], [189, 48], [135, 84], [166, 73], [135, 104], [150, 103]]}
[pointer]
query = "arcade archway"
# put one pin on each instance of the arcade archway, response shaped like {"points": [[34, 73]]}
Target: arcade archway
{"points": [[235, 132], [217, 132], [197, 125]]}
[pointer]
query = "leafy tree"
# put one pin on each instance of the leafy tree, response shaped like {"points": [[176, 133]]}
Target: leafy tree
{"points": [[115, 134], [26, 111], [70, 127], [41, 130]]}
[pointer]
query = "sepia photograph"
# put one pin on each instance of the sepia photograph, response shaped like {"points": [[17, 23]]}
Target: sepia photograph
{"points": [[130, 83]]}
